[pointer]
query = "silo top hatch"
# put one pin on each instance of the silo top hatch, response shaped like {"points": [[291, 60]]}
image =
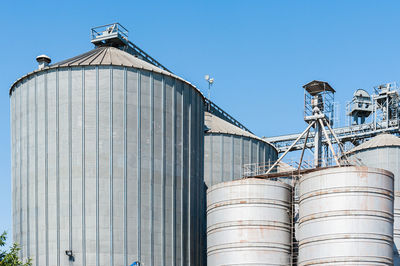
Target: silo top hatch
{"points": [[114, 33], [314, 87]]}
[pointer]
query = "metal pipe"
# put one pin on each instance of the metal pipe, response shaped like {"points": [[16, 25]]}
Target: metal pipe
{"points": [[329, 142], [338, 142], [291, 146], [317, 145], [304, 148]]}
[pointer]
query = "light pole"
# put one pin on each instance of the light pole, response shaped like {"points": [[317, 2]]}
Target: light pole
{"points": [[210, 82]]}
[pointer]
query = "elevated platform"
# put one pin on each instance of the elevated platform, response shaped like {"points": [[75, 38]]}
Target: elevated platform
{"points": [[351, 134]]}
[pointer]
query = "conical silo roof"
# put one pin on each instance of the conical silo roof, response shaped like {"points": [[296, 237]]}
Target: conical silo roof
{"points": [[382, 140], [105, 56], [218, 125]]}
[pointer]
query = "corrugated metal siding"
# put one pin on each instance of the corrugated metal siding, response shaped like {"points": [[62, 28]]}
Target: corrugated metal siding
{"points": [[106, 161], [225, 155]]}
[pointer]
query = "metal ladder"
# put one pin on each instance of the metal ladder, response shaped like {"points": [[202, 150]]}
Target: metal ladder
{"points": [[294, 244]]}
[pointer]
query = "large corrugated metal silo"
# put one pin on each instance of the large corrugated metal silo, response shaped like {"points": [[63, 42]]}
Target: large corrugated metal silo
{"points": [[346, 217], [249, 223], [227, 148], [107, 163], [383, 151]]}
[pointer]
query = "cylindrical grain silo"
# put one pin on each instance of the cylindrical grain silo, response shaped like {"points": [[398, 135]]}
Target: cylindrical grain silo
{"points": [[228, 148], [248, 223], [107, 163], [383, 151], [346, 217]]}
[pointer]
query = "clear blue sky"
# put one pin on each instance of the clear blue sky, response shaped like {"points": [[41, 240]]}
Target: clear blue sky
{"points": [[260, 52]]}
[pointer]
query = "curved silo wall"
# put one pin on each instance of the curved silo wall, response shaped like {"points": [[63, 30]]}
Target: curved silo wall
{"points": [[346, 217], [225, 154], [248, 223], [387, 158], [106, 162]]}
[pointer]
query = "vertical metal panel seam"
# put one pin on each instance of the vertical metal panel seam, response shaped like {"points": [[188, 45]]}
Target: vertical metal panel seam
{"points": [[198, 177], [97, 169], [263, 148], [152, 169], [266, 156], [20, 172], [232, 157], [203, 193], [14, 164], [211, 152], [198, 186], [163, 172], [222, 165], [190, 242], [241, 156], [195, 185], [15, 194], [250, 151], [83, 172], [36, 178], [16, 170], [139, 165], [70, 160], [28, 241], [182, 189], [174, 173], [46, 170], [125, 172], [12, 145], [57, 168], [111, 170], [194, 168]]}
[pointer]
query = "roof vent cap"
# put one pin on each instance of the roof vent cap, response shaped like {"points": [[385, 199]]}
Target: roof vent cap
{"points": [[43, 61]]}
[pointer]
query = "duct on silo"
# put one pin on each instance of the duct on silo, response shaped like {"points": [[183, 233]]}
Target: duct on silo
{"points": [[346, 217], [107, 163], [228, 148], [249, 223], [383, 151]]}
